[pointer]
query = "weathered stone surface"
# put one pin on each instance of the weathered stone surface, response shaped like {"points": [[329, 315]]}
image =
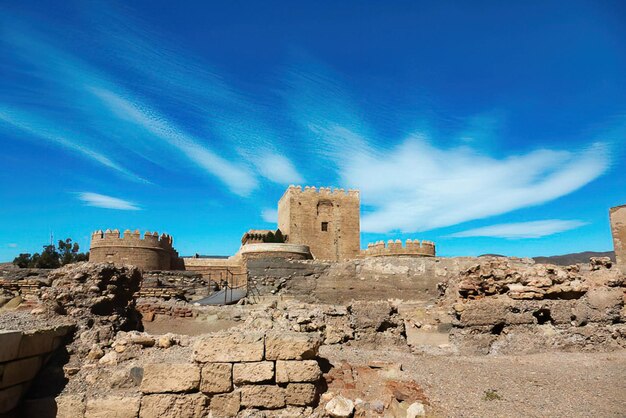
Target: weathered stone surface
{"points": [[339, 407], [300, 394], [417, 337], [263, 396], [20, 371], [165, 377], [10, 397], [416, 409], [9, 344], [618, 229], [230, 347], [113, 407], [217, 378], [36, 342], [173, 406], [70, 406], [297, 371], [226, 405], [291, 345], [256, 372], [370, 315]]}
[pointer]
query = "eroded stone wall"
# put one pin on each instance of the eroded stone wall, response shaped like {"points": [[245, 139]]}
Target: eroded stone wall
{"points": [[22, 355], [618, 228]]}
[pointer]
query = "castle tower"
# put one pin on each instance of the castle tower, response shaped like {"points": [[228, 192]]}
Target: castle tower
{"points": [[618, 228], [327, 221]]}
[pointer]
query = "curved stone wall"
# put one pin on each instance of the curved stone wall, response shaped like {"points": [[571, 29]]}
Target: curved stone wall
{"points": [[152, 252], [276, 250], [412, 248]]}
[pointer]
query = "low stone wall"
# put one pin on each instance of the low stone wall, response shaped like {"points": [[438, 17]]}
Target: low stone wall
{"points": [[276, 250], [229, 372], [618, 229], [150, 308], [22, 355]]}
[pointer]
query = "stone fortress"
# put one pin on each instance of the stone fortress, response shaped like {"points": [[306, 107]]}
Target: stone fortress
{"points": [[321, 224]]}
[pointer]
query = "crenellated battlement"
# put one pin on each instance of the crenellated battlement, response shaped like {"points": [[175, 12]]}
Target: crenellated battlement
{"points": [[331, 191], [131, 239], [395, 248]]}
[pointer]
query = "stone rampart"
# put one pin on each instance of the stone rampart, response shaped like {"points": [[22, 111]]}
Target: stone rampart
{"points": [[276, 250], [412, 248], [150, 252], [618, 228], [22, 355]]}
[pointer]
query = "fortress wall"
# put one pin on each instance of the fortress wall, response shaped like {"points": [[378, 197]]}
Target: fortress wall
{"points": [[618, 229], [412, 248], [326, 220], [150, 252]]}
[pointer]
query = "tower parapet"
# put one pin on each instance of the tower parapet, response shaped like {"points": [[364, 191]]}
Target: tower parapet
{"points": [[150, 252], [412, 248]]}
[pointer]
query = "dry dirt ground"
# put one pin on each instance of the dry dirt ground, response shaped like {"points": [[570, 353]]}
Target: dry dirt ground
{"points": [[540, 385]]}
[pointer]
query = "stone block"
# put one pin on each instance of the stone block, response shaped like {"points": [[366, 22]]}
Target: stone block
{"points": [[297, 371], [263, 396], [10, 397], [20, 371], [70, 406], [113, 407], [165, 377], [226, 405], [9, 344], [173, 406], [300, 394], [291, 345], [217, 378], [256, 372], [36, 342], [416, 337], [230, 347]]}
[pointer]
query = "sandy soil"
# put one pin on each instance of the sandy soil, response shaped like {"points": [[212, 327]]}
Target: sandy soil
{"points": [[541, 385]]}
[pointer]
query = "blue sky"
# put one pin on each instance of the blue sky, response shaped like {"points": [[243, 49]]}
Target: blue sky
{"points": [[487, 127]]}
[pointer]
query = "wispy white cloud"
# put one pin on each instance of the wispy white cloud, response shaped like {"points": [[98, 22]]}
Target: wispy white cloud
{"points": [[533, 229], [51, 132], [12, 245], [108, 202], [417, 186], [269, 215], [237, 177]]}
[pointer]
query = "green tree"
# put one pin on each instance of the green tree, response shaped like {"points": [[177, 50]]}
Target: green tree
{"points": [[278, 236], [51, 257], [269, 237]]}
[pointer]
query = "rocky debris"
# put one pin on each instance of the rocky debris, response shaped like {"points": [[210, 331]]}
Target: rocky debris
{"points": [[339, 407], [98, 298], [378, 389]]}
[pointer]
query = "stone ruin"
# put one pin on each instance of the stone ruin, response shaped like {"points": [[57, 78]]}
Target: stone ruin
{"points": [[98, 339]]}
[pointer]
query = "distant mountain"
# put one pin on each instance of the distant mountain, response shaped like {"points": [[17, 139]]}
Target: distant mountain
{"points": [[567, 259]]}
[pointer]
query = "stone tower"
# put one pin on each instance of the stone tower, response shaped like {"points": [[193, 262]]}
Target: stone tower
{"points": [[327, 221], [618, 228]]}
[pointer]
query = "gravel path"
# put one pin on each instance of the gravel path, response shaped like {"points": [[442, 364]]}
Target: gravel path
{"points": [[540, 385]]}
